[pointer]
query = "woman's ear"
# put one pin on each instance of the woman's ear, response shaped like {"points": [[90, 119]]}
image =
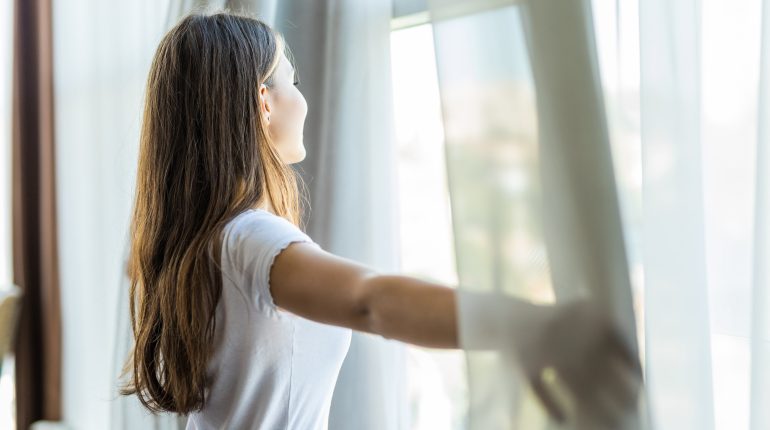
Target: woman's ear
{"points": [[264, 102]]}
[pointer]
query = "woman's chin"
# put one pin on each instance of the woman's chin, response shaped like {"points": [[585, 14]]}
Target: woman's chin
{"points": [[299, 156]]}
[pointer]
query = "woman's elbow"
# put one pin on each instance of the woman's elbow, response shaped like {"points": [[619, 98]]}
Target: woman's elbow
{"points": [[369, 293]]}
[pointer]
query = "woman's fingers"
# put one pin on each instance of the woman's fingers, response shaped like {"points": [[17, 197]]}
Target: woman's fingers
{"points": [[615, 395], [597, 366], [547, 399], [624, 370], [604, 386], [589, 386], [624, 383], [602, 410], [623, 351]]}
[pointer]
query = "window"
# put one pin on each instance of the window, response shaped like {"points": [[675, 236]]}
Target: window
{"points": [[729, 68], [437, 380]]}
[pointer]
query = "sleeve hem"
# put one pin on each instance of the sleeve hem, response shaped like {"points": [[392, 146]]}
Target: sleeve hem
{"points": [[266, 296]]}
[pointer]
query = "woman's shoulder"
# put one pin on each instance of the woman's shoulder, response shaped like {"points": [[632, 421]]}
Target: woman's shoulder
{"points": [[248, 218], [258, 226], [252, 240]]}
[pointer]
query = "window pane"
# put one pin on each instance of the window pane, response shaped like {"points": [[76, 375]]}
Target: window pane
{"points": [[437, 380]]}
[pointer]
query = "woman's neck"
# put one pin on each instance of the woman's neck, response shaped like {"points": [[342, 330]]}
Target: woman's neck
{"points": [[266, 206]]}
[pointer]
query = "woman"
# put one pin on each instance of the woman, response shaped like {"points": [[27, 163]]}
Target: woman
{"points": [[240, 319]]}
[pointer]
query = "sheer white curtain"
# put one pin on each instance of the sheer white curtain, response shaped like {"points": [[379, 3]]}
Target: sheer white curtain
{"points": [[759, 416], [679, 359], [531, 174], [703, 134], [6, 38], [342, 50], [102, 52], [526, 136], [702, 122]]}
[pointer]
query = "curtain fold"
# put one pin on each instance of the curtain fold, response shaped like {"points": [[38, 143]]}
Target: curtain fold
{"points": [[678, 349], [581, 207], [488, 107], [38, 348], [102, 56], [695, 123], [534, 202], [342, 51], [760, 322]]}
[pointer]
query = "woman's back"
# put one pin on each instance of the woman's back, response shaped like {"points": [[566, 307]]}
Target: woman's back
{"points": [[269, 369]]}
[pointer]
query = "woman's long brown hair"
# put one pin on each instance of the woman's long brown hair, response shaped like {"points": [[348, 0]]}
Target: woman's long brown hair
{"points": [[205, 156]]}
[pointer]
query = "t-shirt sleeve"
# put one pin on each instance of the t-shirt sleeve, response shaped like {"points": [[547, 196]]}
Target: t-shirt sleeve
{"points": [[259, 240]]}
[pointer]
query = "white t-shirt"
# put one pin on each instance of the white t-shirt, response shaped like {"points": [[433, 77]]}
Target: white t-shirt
{"points": [[270, 369]]}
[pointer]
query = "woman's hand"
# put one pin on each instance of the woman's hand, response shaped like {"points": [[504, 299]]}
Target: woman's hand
{"points": [[577, 350]]}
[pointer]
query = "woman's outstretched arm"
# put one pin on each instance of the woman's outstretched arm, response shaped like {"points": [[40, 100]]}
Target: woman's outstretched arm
{"points": [[577, 339], [318, 285]]}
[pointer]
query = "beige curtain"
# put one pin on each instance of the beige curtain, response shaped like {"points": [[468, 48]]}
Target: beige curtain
{"points": [[35, 258]]}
